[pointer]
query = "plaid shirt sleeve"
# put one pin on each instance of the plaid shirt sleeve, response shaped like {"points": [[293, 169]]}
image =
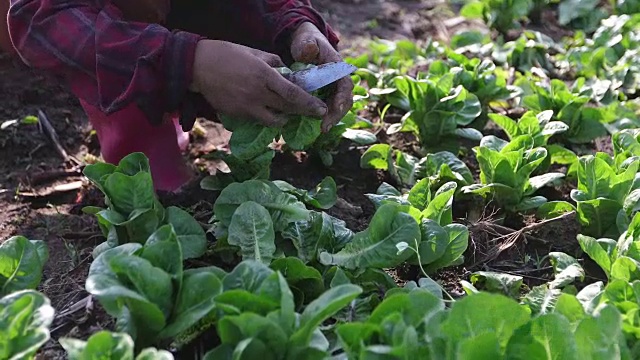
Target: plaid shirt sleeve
{"points": [[109, 62]]}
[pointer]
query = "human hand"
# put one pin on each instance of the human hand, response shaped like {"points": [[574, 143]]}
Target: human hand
{"points": [[241, 82], [310, 46]]}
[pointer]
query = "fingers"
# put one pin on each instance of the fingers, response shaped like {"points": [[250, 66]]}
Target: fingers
{"points": [[297, 100], [306, 51], [339, 103], [272, 60]]}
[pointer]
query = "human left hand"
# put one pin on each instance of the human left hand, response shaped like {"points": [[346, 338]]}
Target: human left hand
{"points": [[310, 46]]}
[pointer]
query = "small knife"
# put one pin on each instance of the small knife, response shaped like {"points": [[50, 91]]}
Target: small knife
{"points": [[320, 76]]}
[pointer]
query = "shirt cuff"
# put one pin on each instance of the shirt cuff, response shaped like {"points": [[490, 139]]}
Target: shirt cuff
{"points": [[177, 69], [178, 66]]}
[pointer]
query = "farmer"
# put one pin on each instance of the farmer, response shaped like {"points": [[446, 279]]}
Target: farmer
{"points": [[135, 65]]}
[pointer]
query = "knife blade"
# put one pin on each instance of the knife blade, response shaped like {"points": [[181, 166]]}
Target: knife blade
{"points": [[320, 76]]}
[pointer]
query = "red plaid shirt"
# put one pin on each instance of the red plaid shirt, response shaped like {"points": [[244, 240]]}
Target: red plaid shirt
{"points": [[109, 62]]}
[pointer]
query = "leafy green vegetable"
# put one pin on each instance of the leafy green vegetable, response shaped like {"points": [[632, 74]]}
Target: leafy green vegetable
{"points": [[133, 211], [584, 123], [21, 264], [540, 127], [147, 290], [436, 109], [307, 287], [528, 53], [618, 259], [497, 282], [442, 167], [604, 194], [321, 232], [481, 78], [260, 320], [376, 246], [404, 168], [107, 345], [257, 168], [251, 214], [441, 243], [582, 14], [252, 231], [324, 196], [501, 15], [250, 141], [25, 318], [505, 170]]}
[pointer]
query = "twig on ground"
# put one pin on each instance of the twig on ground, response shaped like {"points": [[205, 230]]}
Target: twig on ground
{"points": [[50, 131], [62, 188], [82, 304]]}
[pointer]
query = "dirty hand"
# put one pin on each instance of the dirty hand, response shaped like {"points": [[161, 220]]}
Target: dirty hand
{"points": [[241, 82], [310, 46]]}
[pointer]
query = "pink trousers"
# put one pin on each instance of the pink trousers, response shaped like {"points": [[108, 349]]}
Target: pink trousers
{"points": [[128, 131]]}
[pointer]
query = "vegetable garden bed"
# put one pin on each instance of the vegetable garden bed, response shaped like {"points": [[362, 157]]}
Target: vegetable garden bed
{"points": [[480, 201]]}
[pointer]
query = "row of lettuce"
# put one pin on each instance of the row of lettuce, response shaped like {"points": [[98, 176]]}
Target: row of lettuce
{"points": [[294, 282], [276, 302]]}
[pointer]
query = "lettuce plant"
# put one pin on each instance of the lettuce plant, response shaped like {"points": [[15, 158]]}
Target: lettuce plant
{"points": [[505, 172], [256, 168], [21, 264], [479, 77], [133, 211], [619, 259], [442, 167], [419, 217], [375, 247], [251, 156], [146, 288], [406, 169], [581, 14], [437, 111], [500, 15], [584, 123], [532, 50], [442, 242], [626, 145], [266, 220], [606, 197], [258, 317], [323, 196], [611, 52], [540, 127], [423, 202], [417, 322], [25, 318], [109, 346]]}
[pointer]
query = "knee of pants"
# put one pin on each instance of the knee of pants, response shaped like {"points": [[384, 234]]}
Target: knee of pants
{"points": [[128, 131]]}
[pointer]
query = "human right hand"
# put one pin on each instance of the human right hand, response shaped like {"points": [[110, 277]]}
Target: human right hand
{"points": [[241, 82]]}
